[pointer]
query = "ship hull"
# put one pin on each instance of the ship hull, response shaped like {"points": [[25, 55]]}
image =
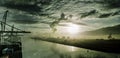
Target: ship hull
{"points": [[12, 51]]}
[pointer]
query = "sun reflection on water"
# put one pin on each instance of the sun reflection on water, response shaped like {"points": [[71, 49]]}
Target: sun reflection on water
{"points": [[66, 48], [72, 48]]}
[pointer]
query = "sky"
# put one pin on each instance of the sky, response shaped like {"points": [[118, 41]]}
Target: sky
{"points": [[45, 18]]}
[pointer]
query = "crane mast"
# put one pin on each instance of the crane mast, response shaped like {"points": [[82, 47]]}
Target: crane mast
{"points": [[12, 31]]}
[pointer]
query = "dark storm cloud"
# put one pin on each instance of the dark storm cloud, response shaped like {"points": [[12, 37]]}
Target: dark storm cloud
{"points": [[99, 14], [104, 15], [112, 3], [32, 9], [41, 27], [30, 6], [24, 19], [92, 12], [57, 21], [110, 14], [116, 13], [45, 22], [54, 24]]}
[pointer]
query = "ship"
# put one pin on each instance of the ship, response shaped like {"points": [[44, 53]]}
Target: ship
{"points": [[10, 40]]}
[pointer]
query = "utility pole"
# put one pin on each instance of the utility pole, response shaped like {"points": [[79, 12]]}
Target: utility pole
{"points": [[3, 25], [4, 20]]}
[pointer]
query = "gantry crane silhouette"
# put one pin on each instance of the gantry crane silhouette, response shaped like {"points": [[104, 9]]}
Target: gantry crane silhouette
{"points": [[12, 31]]}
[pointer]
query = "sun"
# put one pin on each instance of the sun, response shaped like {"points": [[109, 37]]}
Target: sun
{"points": [[70, 30], [73, 28]]}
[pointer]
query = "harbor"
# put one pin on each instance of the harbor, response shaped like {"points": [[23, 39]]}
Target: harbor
{"points": [[10, 41]]}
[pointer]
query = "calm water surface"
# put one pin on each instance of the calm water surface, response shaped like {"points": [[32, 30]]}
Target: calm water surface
{"points": [[41, 49]]}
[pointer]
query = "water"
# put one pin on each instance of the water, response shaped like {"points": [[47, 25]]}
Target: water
{"points": [[41, 49]]}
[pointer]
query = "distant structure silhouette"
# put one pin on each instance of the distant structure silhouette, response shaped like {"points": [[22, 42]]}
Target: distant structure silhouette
{"points": [[110, 37]]}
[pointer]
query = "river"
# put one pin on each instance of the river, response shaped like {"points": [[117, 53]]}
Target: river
{"points": [[42, 49]]}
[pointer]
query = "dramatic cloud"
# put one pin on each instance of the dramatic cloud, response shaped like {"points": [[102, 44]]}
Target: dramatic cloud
{"points": [[65, 18], [104, 15], [92, 12], [30, 6], [32, 9], [39, 27], [24, 19], [81, 12], [110, 14], [102, 22], [113, 3], [99, 14]]}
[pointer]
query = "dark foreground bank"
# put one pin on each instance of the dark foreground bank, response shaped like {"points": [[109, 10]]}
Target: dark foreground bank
{"points": [[11, 51]]}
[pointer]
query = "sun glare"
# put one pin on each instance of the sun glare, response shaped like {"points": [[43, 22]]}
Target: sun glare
{"points": [[73, 28]]}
